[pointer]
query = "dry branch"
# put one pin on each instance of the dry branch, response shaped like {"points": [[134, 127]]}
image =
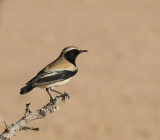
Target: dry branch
{"points": [[29, 116]]}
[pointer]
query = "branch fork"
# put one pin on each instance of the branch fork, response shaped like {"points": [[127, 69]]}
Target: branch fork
{"points": [[29, 116]]}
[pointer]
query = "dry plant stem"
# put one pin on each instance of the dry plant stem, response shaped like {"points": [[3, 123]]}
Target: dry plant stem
{"points": [[29, 116]]}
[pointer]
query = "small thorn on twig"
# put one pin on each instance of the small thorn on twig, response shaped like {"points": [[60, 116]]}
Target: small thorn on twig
{"points": [[7, 128], [27, 110], [30, 128]]}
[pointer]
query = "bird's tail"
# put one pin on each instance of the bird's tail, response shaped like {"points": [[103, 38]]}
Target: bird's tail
{"points": [[26, 89]]}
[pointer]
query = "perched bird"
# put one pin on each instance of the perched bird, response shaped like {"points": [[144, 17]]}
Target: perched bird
{"points": [[56, 73]]}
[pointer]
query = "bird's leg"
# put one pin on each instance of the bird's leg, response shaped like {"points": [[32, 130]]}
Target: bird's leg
{"points": [[64, 95], [51, 97], [56, 91]]}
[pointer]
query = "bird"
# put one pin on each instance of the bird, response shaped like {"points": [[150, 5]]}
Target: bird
{"points": [[57, 73]]}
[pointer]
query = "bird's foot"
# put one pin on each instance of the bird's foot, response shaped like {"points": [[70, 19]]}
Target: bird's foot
{"points": [[52, 99], [65, 96]]}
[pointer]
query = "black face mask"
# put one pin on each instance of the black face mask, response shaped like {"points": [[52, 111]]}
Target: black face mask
{"points": [[72, 55]]}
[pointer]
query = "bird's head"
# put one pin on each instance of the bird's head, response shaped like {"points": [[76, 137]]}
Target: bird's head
{"points": [[70, 53]]}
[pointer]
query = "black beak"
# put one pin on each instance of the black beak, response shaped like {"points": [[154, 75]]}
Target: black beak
{"points": [[83, 51]]}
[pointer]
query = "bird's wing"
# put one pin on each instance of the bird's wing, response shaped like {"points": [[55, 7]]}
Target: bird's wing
{"points": [[52, 77], [40, 75]]}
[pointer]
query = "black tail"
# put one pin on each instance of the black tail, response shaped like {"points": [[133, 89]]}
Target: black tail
{"points": [[26, 89]]}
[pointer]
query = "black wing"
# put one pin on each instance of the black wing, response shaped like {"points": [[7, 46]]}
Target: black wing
{"points": [[52, 77]]}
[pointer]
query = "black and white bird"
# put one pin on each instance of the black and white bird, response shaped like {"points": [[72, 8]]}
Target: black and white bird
{"points": [[57, 73]]}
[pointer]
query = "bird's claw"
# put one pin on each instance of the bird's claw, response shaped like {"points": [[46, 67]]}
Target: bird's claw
{"points": [[65, 96], [52, 99]]}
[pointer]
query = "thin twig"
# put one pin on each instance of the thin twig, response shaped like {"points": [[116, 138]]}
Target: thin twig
{"points": [[30, 128], [27, 110], [7, 129]]}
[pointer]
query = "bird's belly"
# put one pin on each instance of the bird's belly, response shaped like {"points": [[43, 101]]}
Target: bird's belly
{"points": [[56, 84]]}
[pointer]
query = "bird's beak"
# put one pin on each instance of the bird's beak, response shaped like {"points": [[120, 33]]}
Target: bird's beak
{"points": [[83, 51]]}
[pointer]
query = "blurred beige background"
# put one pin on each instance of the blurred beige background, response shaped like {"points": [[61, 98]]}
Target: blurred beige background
{"points": [[116, 93]]}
